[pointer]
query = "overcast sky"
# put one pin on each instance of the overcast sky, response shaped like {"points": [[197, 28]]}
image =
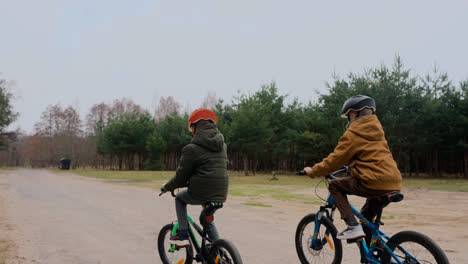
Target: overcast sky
{"points": [[85, 52]]}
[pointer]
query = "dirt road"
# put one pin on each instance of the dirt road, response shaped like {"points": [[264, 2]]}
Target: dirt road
{"points": [[55, 218]]}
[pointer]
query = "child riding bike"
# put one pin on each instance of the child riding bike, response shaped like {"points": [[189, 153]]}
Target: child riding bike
{"points": [[373, 170], [203, 169]]}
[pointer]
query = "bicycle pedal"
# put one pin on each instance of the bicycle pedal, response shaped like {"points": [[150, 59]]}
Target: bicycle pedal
{"points": [[176, 247], [198, 258]]}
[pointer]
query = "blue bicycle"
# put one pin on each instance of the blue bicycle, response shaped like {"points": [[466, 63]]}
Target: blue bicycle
{"points": [[316, 240]]}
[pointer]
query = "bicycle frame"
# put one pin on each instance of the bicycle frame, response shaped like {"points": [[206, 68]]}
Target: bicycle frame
{"points": [[366, 252], [200, 249]]}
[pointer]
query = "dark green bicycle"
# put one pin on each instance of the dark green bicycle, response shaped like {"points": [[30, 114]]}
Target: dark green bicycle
{"points": [[221, 251]]}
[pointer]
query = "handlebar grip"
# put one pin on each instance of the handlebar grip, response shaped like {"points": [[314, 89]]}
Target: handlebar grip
{"points": [[301, 173], [172, 193]]}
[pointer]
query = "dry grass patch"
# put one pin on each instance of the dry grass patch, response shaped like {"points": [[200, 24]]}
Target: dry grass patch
{"points": [[5, 248]]}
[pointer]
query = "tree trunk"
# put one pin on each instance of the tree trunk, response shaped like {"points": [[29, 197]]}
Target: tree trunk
{"points": [[430, 164], [173, 160], [416, 165], [398, 155], [436, 163], [141, 161], [131, 161], [110, 161], [120, 162], [255, 166], [246, 164], [407, 165], [292, 161], [465, 159], [411, 156]]}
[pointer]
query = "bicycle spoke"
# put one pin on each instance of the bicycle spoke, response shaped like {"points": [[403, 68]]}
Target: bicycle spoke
{"points": [[416, 251], [174, 254], [324, 255], [223, 258]]}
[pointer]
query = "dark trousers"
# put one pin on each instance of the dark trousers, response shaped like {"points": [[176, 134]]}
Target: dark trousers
{"points": [[182, 199], [340, 188]]}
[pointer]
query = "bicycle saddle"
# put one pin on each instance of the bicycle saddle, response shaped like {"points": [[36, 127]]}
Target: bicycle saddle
{"points": [[393, 197], [212, 205], [208, 211]]}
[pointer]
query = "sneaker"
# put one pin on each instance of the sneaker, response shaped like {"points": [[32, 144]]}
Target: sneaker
{"points": [[180, 240], [351, 232]]}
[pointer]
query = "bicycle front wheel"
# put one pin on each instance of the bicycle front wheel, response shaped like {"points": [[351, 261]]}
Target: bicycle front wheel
{"points": [[327, 250], [413, 247], [169, 254], [224, 252]]}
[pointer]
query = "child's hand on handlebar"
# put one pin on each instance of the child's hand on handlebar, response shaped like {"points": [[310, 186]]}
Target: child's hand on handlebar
{"points": [[163, 190], [305, 171]]}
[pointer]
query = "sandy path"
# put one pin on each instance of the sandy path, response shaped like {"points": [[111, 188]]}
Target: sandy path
{"points": [[60, 218]]}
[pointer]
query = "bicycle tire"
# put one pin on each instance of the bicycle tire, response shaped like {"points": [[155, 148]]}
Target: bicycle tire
{"points": [[163, 247], [216, 252], [418, 238], [310, 220]]}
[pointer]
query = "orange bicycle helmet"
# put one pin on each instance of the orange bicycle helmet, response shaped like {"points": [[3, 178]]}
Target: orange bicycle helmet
{"points": [[201, 114]]}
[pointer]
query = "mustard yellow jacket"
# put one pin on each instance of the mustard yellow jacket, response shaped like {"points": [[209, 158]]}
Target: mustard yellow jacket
{"points": [[364, 149]]}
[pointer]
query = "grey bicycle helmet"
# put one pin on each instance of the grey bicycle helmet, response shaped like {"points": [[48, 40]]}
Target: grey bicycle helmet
{"points": [[357, 103]]}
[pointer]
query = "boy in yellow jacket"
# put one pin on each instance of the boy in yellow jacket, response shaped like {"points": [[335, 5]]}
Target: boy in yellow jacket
{"points": [[373, 170]]}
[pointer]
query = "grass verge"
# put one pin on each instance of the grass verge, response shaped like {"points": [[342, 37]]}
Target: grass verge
{"points": [[449, 185], [287, 188], [8, 168], [5, 247], [123, 175], [257, 186]]}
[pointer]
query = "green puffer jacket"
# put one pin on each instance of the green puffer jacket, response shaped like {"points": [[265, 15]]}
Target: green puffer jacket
{"points": [[204, 166]]}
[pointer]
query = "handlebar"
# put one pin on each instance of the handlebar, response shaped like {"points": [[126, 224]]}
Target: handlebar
{"points": [[172, 193], [330, 176]]}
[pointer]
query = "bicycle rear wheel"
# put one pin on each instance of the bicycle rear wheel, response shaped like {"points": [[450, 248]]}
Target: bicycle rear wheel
{"points": [[413, 247], [329, 250], [224, 252], [175, 256]]}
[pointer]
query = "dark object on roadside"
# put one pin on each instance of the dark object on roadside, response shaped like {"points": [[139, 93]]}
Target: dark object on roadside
{"points": [[65, 163]]}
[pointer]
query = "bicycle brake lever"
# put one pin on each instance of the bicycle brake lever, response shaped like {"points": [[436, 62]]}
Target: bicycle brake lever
{"points": [[301, 173]]}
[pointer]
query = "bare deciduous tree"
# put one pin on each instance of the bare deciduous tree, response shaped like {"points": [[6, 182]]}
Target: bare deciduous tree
{"points": [[97, 118], [58, 134], [210, 100], [166, 107], [124, 105]]}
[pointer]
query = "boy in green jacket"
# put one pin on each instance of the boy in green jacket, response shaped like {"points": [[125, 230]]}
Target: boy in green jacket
{"points": [[203, 169]]}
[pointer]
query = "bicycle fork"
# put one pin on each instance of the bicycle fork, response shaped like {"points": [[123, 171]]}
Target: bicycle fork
{"points": [[317, 244]]}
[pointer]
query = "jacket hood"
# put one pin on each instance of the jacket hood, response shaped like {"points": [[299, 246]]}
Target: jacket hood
{"points": [[367, 127], [209, 137]]}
